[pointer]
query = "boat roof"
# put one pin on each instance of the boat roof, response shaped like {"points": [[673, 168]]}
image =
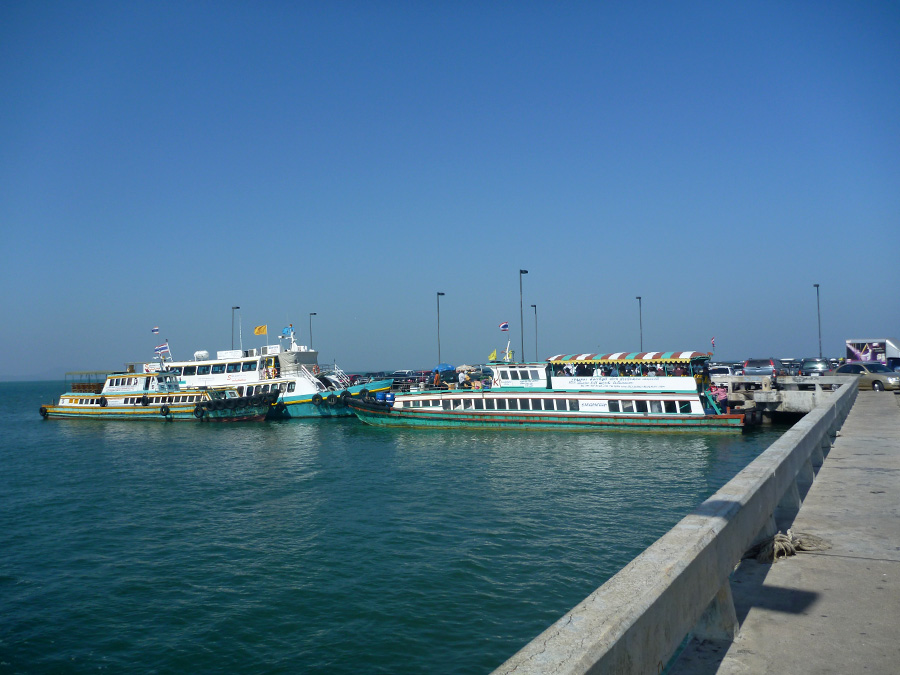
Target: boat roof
{"points": [[631, 357]]}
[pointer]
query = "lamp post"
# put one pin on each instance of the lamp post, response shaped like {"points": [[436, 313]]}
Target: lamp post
{"points": [[640, 320], [819, 315], [232, 325], [522, 313], [439, 294], [311, 315], [535, 334]]}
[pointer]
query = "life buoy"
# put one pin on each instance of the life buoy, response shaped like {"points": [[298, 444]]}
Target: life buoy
{"points": [[145, 400], [317, 399], [316, 370], [199, 411], [43, 411], [332, 399], [103, 402], [164, 411]]}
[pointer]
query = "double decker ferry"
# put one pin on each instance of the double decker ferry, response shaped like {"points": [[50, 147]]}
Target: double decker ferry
{"points": [[646, 391], [290, 371], [158, 396]]}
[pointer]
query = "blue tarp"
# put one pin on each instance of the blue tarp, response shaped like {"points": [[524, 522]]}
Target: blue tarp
{"points": [[443, 367]]}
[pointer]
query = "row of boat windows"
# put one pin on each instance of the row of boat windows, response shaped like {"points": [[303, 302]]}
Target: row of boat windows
{"points": [[560, 404], [263, 388], [216, 368], [521, 374]]}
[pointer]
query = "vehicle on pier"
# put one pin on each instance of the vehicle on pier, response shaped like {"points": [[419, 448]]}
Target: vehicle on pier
{"points": [[647, 391], [157, 396]]}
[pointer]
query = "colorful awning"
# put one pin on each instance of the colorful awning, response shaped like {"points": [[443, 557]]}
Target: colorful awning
{"points": [[631, 357]]}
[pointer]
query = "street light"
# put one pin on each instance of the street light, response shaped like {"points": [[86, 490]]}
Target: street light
{"points": [[439, 294], [522, 313], [311, 315], [232, 325], [535, 334], [819, 315], [641, 320]]}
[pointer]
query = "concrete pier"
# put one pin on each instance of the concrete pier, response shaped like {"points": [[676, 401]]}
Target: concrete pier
{"points": [[833, 611]]}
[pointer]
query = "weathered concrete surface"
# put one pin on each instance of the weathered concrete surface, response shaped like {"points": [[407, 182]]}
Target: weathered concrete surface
{"points": [[835, 611]]}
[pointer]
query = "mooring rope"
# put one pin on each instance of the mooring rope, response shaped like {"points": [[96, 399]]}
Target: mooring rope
{"points": [[784, 545]]}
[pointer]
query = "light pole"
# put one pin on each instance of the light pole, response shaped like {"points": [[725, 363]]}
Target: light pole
{"points": [[535, 334], [819, 315], [439, 294], [311, 315], [232, 325], [522, 314], [640, 320]]}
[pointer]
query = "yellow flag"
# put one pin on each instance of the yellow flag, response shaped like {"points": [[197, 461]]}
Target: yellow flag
{"points": [[261, 330], [493, 356]]}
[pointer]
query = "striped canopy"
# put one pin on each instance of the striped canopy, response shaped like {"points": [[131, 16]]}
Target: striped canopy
{"points": [[631, 357]]}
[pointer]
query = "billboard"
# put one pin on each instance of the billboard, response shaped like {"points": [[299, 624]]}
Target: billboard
{"points": [[865, 350]]}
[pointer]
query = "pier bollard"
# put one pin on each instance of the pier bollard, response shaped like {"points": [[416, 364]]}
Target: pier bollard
{"points": [[719, 619]]}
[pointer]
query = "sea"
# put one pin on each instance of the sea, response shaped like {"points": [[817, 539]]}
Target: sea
{"points": [[321, 546]]}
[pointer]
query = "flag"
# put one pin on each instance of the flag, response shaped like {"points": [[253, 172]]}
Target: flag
{"points": [[162, 349], [714, 343], [504, 326], [261, 330], [492, 356], [155, 330]]}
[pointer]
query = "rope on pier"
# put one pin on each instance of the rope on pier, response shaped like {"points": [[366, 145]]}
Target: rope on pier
{"points": [[784, 545]]}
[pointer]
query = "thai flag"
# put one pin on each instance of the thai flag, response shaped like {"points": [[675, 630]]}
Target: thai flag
{"points": [[162, 349], [155, 330], [714, 343], [504, 326]]}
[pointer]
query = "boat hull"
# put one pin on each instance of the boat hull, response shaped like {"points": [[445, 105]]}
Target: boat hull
{"points": [[305, 406], [383, 415], [176, 412]]}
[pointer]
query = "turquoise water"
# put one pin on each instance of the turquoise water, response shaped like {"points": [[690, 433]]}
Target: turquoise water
{"points": [[317, 546]]}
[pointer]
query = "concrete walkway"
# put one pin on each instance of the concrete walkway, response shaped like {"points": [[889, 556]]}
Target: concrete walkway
{"points": [[834, 611]]}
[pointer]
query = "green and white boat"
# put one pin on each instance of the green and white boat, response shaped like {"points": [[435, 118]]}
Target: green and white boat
{"points": [[646, 391]]}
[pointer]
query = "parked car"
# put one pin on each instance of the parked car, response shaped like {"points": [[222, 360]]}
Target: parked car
{"points": [[721, 370], [814, 366], [764, 367], [872, 375]]}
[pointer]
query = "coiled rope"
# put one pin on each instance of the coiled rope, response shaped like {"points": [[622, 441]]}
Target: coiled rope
{"points": [[784, 545]]}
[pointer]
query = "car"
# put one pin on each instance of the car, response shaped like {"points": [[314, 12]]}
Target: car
{"points": [[872, 375], [814, 366], [768, 366], [721, 370]]}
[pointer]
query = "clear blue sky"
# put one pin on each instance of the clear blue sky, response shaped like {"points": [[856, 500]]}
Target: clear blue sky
{"points": [[161, 162]]}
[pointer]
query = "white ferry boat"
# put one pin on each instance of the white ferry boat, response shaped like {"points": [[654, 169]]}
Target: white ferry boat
{"points": [[291, 371], [651, 391], [158, 395]]}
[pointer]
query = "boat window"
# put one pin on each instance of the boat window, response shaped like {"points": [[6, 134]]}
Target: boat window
{"points": [[514, 374], [233, 368], [548, 404], [263, 388], [536, 404], [240, 391], [290, 386], [614, 406], [248, 366], [573, 404], [684, 406], [504, 375], [177, 370], [489, 404], [479, 404], [190, 370], [203, 370], [501, 403], [535, 375], [640, 406], [656, 406], [218, 368], [560, 404], [446, 404], [671, 406]]}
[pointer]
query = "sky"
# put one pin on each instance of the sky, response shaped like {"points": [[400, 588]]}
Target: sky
{"points": [[162, 162]]}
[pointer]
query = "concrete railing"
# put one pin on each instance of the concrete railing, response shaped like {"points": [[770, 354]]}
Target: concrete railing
{"points": [[635, 622]]}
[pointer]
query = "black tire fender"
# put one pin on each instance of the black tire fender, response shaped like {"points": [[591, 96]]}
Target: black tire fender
{"points": [[332, 399], [164, 411], [199, 411], [317, 399], [363, 393], [43, 411], [103, 402], [145, 400]]}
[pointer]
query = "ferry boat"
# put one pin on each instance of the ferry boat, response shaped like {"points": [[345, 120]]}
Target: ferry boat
{"points": [[646, 391], [156, 395], [291, 371]]}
